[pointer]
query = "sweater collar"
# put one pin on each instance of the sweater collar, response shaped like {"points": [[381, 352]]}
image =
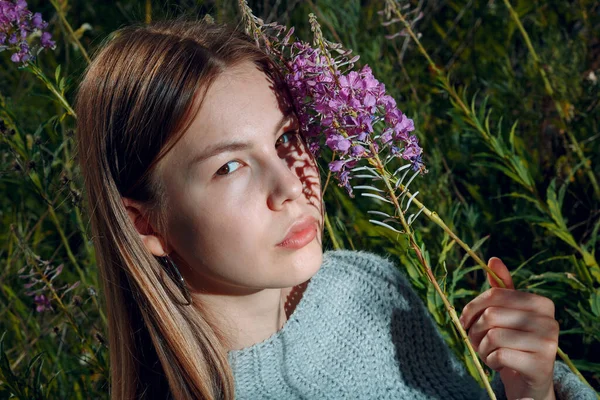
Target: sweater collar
{"points": [[292, 323]]}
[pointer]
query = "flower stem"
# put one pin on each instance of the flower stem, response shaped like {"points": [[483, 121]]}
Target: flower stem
{"points": [[334, 241], [148, 17], [314, 26], [376, 161], [432, 215], [66, 24], [328, 178], [65, 241], [61, 98]]}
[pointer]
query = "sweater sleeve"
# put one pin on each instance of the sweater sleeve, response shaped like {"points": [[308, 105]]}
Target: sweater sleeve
{"points": [[567, 385], [417, 338]]}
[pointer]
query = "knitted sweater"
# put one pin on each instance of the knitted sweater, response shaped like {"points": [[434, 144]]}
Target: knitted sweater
{"points": [[361, 332]]}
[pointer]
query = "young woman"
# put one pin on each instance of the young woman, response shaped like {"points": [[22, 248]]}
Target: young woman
{"points": [[207, 220]]}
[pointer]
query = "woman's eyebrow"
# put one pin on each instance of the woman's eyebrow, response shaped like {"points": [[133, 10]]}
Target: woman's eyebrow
{"points": [[219, 148], [234, 145]]}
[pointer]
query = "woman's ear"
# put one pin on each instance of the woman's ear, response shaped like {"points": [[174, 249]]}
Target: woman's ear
{"points": [[151, 239]]}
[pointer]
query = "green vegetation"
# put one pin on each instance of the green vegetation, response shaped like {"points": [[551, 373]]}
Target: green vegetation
{"points": [[506, 102]]}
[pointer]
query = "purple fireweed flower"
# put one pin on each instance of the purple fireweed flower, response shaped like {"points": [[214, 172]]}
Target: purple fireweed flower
{"points": [[338, 107], [403, 127], [417, 162], [41, 283], [336, 166], [347, 107], [411, 151], [338, 143], [37, 22], [386, 136], [314, 148], [344, 178], [358, 151], [16, 24], [43, 303], [46, 41]]}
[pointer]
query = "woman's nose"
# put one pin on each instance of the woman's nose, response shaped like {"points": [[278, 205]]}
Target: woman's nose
{"points": [[285, 185]]}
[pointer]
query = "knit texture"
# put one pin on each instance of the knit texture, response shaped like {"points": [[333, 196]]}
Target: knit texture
{"points": [[361, 332]]}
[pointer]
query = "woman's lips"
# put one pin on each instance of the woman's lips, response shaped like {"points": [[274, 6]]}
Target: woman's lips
{"points": [[301, 233]]}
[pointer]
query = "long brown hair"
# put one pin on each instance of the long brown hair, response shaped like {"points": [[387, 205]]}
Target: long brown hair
{"points": [[135, 101]]}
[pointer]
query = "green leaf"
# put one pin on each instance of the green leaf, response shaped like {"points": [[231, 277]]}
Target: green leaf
{"points": [[35, 179], [511, 136], [584, 365], [517, 195], [561, 233], [595, 302], [460, 293], [57, 73], [475, 247], [15, 383], [564, 277], [435, 305], [504, 170], [554, 204], [38, 377], [530, 218], [33, 361], [582, 270]]}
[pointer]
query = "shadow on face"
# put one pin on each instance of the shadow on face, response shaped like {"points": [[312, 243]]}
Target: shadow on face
{"points": [[296, 152]]}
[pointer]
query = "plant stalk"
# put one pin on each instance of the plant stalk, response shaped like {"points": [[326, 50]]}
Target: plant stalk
{"points": [[63, 19], [334, 241], [61, 98], [449, 308]]}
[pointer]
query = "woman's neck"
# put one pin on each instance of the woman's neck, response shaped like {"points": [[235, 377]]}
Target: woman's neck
{"points": [[251, 319]]}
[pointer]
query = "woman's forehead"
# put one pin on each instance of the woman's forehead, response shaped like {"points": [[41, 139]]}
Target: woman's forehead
{"points": [[242, 91], [242, 102]]}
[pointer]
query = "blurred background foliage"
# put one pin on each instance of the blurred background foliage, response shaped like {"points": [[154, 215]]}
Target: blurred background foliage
{"points": [[520, 187]]}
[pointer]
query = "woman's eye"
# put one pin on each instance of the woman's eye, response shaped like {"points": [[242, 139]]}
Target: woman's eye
{"points": [[286, 137], [228, 168]]}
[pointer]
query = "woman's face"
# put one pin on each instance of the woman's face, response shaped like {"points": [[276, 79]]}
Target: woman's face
{"points": [[235, 183]]}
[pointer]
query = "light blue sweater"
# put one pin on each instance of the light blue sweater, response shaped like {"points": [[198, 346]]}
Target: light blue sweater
{"points": [[361, 332]]}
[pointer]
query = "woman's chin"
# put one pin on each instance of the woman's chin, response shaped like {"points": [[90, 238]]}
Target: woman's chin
{"points": [[298, 265]]}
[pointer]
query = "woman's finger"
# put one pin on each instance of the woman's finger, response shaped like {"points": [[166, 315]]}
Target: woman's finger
{"points": [[496, 338], [500, 317], [534, 368], [507, 298], [500, 269]]}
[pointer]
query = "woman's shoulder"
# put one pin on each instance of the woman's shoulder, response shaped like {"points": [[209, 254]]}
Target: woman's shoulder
{"points": [[367, 274], [364, 263]]}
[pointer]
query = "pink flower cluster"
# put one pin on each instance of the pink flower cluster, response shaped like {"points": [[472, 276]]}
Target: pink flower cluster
{"points": [[42, 303], [16, 24], [42, 282], [344, 108]]}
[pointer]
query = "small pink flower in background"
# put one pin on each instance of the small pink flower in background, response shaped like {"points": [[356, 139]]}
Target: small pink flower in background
{"points": [[41, 282], [16, 24], [43, 303]]}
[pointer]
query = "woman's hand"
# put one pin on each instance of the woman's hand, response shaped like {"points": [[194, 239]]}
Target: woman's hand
{"points": [[516, 334]]}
